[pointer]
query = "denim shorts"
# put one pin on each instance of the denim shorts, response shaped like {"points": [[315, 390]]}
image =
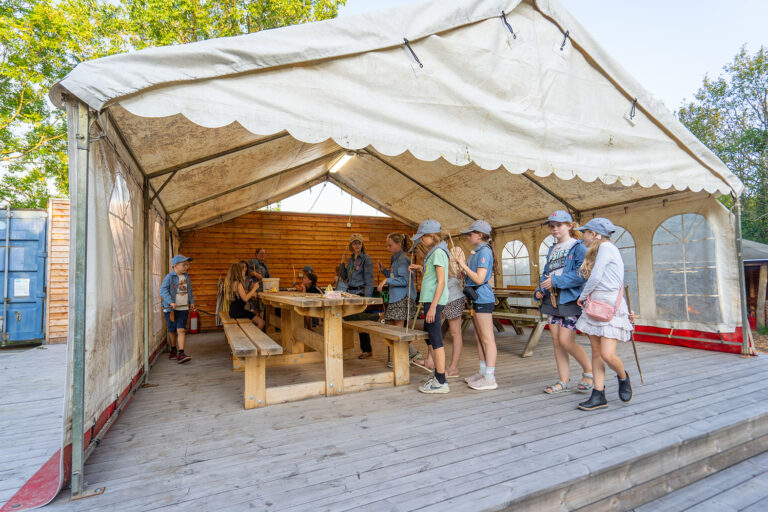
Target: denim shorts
{"points": [[483, 308], [179, 322]]}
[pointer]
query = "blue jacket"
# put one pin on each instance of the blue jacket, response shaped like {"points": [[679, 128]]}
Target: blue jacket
{"points": [[358, 273], [569, 284], [168, 290], [397, 278]]}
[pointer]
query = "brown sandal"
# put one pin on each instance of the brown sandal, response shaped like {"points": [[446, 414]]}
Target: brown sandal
{"points": [[365, 355]]}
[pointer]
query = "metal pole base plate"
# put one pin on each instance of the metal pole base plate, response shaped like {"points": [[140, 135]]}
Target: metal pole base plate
{"points": [[87, 493]]}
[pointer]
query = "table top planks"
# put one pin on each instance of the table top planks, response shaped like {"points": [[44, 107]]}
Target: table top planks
{"points": [[314, 300]]}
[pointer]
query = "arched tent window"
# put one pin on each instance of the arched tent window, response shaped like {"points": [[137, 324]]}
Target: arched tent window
{"points": [[543, 250], [684, 270], [515, 264], [121, 226], [626, 243]]}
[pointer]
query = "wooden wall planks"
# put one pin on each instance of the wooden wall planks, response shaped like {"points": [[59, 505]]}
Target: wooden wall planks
{"points": [[291, 240], [58, 271]]}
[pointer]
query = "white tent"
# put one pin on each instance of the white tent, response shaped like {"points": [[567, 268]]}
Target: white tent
{"points": [[456, 110]]}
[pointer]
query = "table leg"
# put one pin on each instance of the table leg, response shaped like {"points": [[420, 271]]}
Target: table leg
{"points": [[334, 350], [533, 339], [289, 322], [498, 325], [401, 367], [255, 394]]}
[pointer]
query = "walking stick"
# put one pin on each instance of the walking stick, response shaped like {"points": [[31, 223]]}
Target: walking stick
{"points": [[632, 335]]}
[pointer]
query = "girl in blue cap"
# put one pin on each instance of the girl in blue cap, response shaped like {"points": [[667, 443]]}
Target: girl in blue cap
{"points": [[604, 270], [559, 290], [434, 296], [479, 270]]}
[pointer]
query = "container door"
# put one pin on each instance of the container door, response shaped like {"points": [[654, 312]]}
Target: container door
{"points": [[23, 276]]}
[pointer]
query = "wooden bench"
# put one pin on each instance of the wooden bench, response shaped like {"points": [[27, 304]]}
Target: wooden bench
{"points": [[395, 337], [518, 319], [250, 349]]}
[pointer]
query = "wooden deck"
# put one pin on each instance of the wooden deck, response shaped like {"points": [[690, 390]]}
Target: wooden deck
{"points": [[741, 487], [189, 445], [31, 403]]}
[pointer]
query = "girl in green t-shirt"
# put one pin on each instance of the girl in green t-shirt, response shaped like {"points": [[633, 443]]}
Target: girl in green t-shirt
{"points": [[434, 295]]}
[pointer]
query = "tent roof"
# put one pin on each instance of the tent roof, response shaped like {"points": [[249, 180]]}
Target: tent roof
{"points": [[489, 127]]}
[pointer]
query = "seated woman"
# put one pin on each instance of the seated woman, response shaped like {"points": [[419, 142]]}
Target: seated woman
{"points": [[236, 296], [308, 283]]}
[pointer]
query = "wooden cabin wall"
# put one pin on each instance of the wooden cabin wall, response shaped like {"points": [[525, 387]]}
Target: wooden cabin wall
{"points": [[292, 240], [57, 310]]}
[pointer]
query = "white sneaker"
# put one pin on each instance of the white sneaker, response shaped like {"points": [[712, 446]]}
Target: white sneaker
{"points": [[474, 377], [483, 384], [432, 386]]}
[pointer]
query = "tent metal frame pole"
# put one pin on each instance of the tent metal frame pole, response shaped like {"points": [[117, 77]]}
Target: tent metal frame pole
{"points": [[419, 184], [80, 169], [146, 280], [745, 330], [568, 205]]}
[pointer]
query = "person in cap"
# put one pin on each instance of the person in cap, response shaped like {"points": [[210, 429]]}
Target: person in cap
{"points": [[604, 270], [558, 290], [401, 284], [177, 300], [479, 270], [307, 268], [454, 310], [358, 274], [236, 295], [434, 296]]}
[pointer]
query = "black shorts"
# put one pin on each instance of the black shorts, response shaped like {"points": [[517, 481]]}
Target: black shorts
{"points": [[434, 330], [483, 308]]}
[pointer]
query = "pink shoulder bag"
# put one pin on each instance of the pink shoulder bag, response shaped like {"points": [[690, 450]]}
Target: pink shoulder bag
{"points": [[601, 311]]}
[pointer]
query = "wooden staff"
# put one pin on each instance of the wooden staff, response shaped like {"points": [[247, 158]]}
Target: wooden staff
{"points": [[632, 335], [408, 301]]}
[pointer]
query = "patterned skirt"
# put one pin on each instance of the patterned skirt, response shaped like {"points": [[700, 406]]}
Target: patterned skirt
{"points": [[400, 309], [454, 309]]}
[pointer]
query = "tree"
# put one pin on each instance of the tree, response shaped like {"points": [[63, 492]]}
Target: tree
{"points": [[41, 41], [730, 115]]}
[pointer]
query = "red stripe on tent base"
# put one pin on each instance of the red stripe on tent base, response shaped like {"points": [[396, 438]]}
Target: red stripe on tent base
{"points": [[719, 342], [44, 485]]}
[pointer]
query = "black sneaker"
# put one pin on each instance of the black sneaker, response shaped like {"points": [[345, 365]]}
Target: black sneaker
{"points": [[596, 401], [173, 354], [183, 358], [625, 389]]}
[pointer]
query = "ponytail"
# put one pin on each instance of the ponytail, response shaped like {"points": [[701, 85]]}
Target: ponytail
{"points": [[402, 239], [487, 239]]}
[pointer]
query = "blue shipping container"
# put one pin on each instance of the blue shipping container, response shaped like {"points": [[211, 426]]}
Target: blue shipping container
{"points": [[23, 244]]}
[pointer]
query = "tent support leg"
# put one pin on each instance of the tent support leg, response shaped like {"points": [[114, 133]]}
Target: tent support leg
{"points": [[78, 169], [745, 331], [147, 275]]}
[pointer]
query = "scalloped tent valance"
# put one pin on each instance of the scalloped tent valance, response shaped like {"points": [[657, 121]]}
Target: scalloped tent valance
{"points": [[493, 126]]}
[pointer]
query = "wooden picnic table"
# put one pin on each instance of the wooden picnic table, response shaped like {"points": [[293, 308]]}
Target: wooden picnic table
{"points": [[328, 347], [518, 314]]}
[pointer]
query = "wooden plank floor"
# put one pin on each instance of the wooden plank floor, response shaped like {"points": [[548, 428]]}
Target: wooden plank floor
{"points": [[31, 402], [741, 487], [189, 445]]}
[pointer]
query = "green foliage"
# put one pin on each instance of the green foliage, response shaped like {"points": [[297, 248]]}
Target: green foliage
{"points": [[730, 115], [42, 40]]}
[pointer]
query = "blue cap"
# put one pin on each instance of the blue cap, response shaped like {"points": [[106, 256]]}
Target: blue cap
{"points": [[559, 216], [427, 227], [599, 225], [178, 259], [480, 226], [307, 268]]}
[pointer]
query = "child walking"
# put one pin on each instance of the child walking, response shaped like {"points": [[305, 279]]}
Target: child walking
{"points": [[178, 299], [560, 286], [402, 285], [479, 270], [604, 270], [434, 296]]}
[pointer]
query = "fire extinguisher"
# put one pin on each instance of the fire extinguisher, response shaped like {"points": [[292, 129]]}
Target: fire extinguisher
{"points": [[194, 322]]}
